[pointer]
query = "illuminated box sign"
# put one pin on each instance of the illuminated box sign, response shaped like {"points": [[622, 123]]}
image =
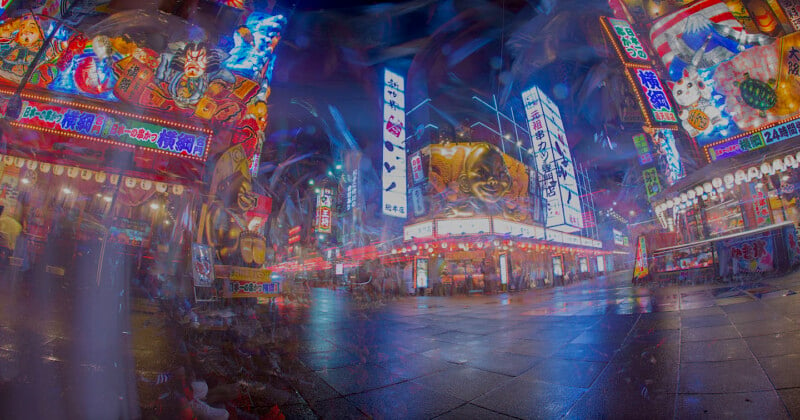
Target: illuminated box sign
{"points": [[628, 39], [617, 237], [419, 230], [655, 96], [417, 174], [652, 184], [463, 226], [554, 162], [113, 129], [324, 199], [244, 282], [754, 141], [642, 148], [506, 227], [394, 146]]}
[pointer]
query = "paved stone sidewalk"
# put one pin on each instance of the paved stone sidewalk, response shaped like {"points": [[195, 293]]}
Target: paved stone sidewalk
{"points": [[594, 349]]}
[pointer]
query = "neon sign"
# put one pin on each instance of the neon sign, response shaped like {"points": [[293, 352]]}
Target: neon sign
{"points": [[113, 129], [655, 95], [628, 39], [324, 200]]}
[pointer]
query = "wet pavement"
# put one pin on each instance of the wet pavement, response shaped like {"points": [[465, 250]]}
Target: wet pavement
{"points": [[593, 349], [598, 348]]}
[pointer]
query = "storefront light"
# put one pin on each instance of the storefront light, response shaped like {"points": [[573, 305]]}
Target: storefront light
{"points": [[66, 190], [154, 206], [25, 181], [107, 199]]}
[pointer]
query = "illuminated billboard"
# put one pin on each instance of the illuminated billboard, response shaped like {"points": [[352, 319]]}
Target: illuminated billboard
{"points": [[726, 82], [394, 146], [224, 84], [476, 179], [554, 162], [324, 215]]}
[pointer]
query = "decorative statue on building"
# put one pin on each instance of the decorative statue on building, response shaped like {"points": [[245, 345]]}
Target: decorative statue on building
{"points": [[227, 227]]}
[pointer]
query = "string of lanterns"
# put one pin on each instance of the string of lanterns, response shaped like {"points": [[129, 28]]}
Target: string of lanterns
{"points": [[433, 248], [87, 174], [718, 185]]}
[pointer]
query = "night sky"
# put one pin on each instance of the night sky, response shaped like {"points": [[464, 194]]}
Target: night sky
{"points": [[333, 55]]}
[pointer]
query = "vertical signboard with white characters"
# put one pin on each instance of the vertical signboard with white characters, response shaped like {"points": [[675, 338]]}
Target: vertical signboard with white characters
{"points": [[324, 215], [554, 162], [394, 146]]}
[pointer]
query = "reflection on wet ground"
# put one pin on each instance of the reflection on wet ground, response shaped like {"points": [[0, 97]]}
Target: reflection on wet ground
{"points": [[600, 348]]}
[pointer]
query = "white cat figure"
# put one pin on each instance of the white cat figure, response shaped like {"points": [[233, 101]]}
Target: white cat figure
{"points": [[698, 114]]}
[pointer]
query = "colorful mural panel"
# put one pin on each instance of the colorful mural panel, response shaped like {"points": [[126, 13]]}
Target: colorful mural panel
{"points": [[221, 85], [725, 80]]}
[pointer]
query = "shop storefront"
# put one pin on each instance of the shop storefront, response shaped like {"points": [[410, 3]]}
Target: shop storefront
{"points": [[127, 151], [494, 254], [742, 222]]}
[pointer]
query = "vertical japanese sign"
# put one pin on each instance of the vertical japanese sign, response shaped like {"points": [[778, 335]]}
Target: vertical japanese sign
{"points": [[652, 185], [352, 190], [554, 162], [417, 201], [760, 206], [394, 145], [628, 40], [655, 96], [642, 148], [417, 173], [324, 200]]}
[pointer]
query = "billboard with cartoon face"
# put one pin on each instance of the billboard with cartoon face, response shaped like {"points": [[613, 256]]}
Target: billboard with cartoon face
{"points": [[476, 179]]}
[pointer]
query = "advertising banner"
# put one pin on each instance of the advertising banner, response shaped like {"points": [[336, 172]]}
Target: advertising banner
{"points": [[755, 254], [477, 179]]}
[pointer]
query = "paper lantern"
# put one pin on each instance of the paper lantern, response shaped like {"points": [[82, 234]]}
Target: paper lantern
{"points": [[778, 166], [753, 173], [740, 177], [790, 162]]}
